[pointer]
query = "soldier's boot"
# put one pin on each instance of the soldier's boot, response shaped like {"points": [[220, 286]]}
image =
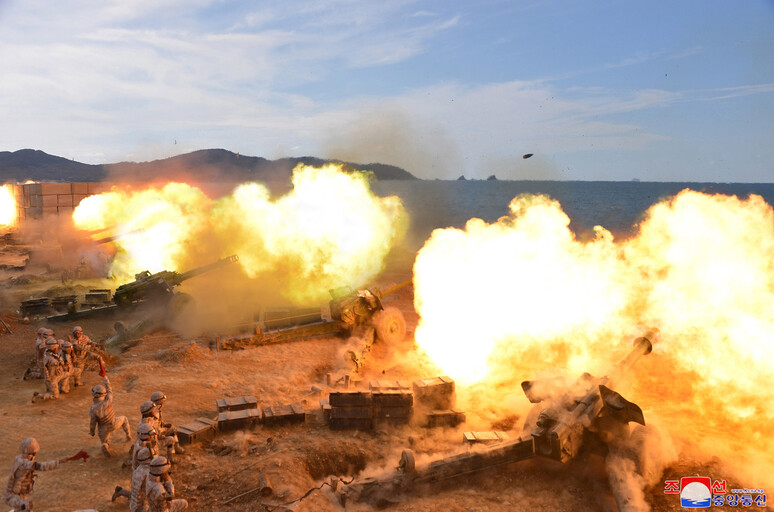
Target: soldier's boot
{"points": [[106, 450], [35, 396], [116, 493], [179, 449]]}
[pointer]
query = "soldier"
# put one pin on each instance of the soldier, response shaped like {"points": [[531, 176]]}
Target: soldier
{"points": [[66, 356], [79, 338], [146, 438], [23, 474], [150, 415], [160, 489], [83, 350], [53, 371], [102, 414], [159, 398], [137, 501], [35, 371]]}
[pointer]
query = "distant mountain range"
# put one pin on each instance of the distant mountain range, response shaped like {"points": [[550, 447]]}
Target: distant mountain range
{"points": [[203, 165]]}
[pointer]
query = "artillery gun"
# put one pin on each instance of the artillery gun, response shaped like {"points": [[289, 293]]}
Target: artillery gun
{"points": [[157, 289], [587, 417], [358, 315]]}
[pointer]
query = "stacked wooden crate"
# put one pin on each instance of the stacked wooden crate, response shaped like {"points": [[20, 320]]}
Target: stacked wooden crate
{"points": [[237, 412], [393, 401], [38, 200], [351, 410]]}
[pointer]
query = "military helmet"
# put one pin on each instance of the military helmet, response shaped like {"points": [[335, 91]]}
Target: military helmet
{"points": [[29, 446], [146, 407], [159, 466], [52, 343], [66, 344], [42, 331], [145, 430], [158, 396], [77, 329], [49, 332], [143, 454], [98, 390]]}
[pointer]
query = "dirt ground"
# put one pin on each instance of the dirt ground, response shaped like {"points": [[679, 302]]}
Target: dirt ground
{"points": [[294, 458]]}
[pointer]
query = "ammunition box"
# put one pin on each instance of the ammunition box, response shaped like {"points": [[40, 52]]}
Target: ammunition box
{"points": [[351, 412], [389, 385], [235, 420], [484, 437], [80, 188], [64, 200], [326, 409], [350, 399], [437, 392], [392, 398], [55, 188], [447, 418], [236, 403], [196, 430], [283, 414], [393, 412], [351, 424]]}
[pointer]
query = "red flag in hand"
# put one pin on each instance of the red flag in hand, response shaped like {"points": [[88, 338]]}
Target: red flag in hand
{"points": [[102, 371], [80, 455]]}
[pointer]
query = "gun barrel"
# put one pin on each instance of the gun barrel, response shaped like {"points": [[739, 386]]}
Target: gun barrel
{"points": [[206, 268], [394, 287], [642, 346]]}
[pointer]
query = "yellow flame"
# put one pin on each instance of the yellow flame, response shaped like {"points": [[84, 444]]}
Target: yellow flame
{"points": [[499, 302], [329, 231], [157, 224], [7, 206]]}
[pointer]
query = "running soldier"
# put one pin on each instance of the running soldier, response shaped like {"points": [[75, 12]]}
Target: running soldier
{"points": [[103, 415], [160, 489], [66, 356], [22, 477], [53, 371]]}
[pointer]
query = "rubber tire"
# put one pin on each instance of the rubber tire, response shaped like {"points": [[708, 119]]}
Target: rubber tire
{"points": [[390, 325]]}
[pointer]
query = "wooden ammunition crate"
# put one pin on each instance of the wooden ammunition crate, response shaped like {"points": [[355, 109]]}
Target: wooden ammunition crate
{"points": [[282, 414], [484, 437], [350, 399], [196, 430], [236, 420], [392, 398], [238, 403], [389, 385], [445, 418], [325, 405], [351, 424], [351, 412], [437, 392]]}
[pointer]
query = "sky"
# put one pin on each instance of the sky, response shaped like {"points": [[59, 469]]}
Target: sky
{"points": [[604, 90]]}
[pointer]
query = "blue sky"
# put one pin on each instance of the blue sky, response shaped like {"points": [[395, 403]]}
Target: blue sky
{"points": [[602, 90]]}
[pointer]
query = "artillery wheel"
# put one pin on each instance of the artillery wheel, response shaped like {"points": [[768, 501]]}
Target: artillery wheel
{"points": [[407, 463], [390, 325]]}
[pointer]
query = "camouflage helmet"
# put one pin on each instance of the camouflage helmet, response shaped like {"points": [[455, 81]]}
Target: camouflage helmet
{"points": [[98, 391], [66, 344], [42, 331], [29, 446], [147, 407], [143, 455], [77, 329], [158, 396], [159, 466], [49, 332], [52, 343], [145, 430]]}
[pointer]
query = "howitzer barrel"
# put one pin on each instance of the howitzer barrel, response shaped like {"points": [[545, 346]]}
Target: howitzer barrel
{"points": [[392, 288], [206, 268], [642, 346]]}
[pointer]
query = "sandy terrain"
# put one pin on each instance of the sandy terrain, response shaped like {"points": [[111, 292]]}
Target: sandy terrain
{"points": [[294, 458]]}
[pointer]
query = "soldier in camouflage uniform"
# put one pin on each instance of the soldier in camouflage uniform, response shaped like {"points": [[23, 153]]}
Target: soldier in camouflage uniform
{"points": [[159, 398], [160, 489], [66, 356], [150, 415], [137, 498], [82, 351], [146, 438], [22, 477], [103, 415], [53, 371], [35, 370]]}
